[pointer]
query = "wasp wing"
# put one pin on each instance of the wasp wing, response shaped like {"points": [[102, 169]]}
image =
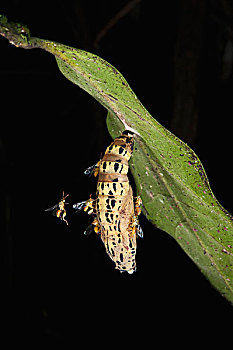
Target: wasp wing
{"points": [[89, 170], [56, 206], [79, 206], [88, 230], [139, 231]]}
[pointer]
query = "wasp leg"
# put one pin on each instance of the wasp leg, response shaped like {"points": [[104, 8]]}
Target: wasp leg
{"points": [[63, 217]]}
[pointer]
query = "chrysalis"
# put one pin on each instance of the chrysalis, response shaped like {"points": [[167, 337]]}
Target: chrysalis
{"points": [[115, 209]]}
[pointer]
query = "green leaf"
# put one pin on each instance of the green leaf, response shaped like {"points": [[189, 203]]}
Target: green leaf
{"points": [[169, 176], [177, 198]]}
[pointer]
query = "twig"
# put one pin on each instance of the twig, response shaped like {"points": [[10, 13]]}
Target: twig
{"points": [[113, 21]]}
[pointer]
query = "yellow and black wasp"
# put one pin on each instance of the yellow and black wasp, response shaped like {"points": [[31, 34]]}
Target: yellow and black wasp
{"points": [[59, 210]]}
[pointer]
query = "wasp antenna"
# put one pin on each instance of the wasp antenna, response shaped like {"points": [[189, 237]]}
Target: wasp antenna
{"points": [[63, 195]]}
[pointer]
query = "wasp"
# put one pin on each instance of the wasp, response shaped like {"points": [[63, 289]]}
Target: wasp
{"points": [[137, 205], [59, 210], [87, 206], [134, 227], [93, 169]]}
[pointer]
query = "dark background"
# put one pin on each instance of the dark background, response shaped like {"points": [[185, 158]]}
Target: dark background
{"points": [[177, 57]]}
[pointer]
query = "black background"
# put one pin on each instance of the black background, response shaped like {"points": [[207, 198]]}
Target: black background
{"points": [[57, 283]]}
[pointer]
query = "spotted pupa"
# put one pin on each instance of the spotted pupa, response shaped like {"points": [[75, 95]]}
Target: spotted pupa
{"points": [[115, 209]]}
